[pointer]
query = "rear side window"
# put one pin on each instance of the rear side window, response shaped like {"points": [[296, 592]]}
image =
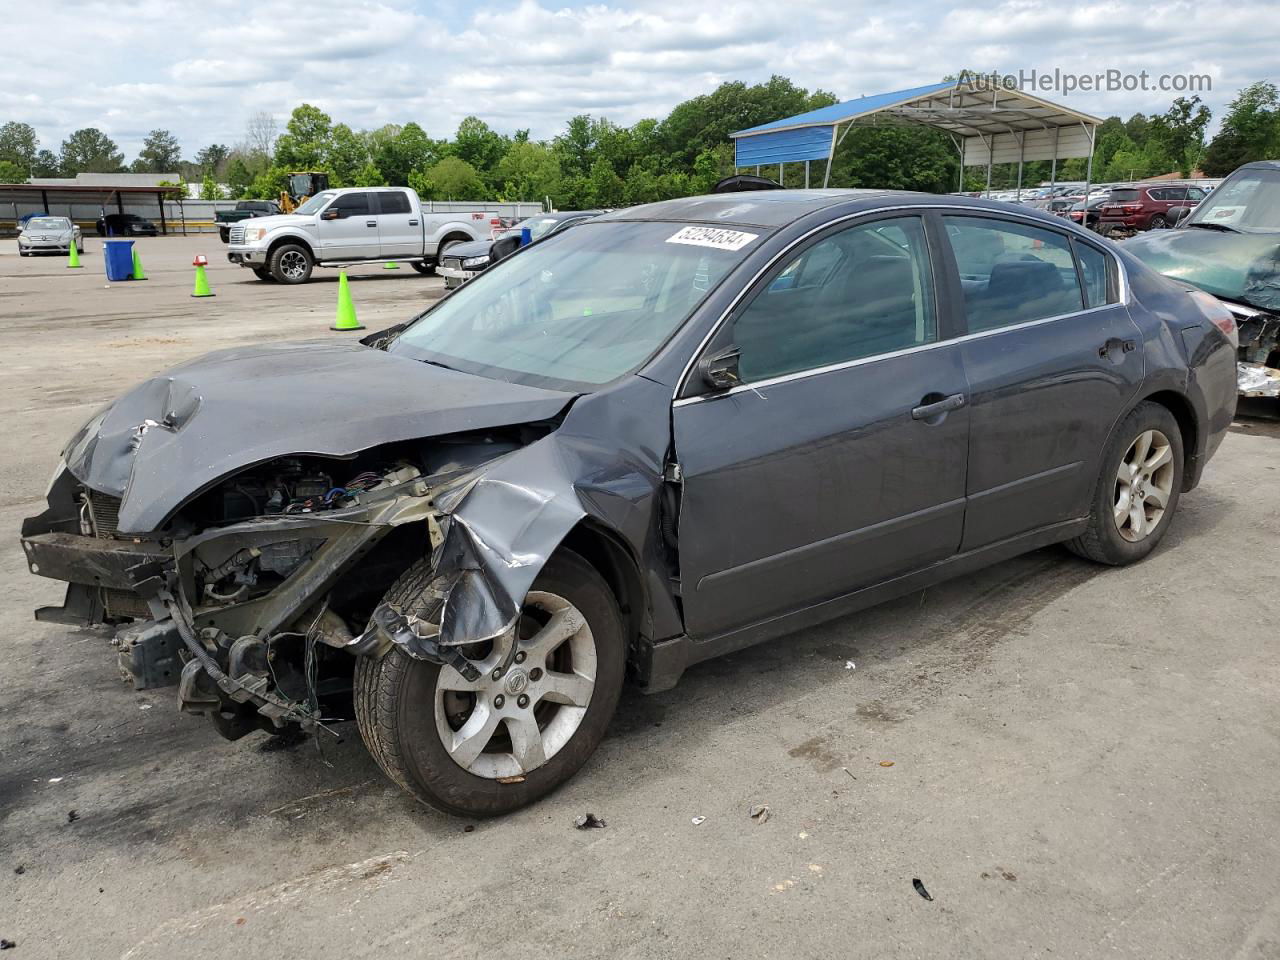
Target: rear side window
{"points": [[857, 293], [393, 201], [352, 204], [1123, 196], [1012, 272], [1093, 274]]}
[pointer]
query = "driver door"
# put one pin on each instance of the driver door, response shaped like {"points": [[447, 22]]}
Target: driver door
{"points": [[348, 228], [839, 461]]}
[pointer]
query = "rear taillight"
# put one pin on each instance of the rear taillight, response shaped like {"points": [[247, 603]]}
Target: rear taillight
{"points": [[1216, 312], [1131, 207]]}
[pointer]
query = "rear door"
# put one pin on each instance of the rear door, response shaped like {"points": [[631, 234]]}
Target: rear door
{"points": [[1052, 359], [399, 227], [348, 228], [839, 462]]}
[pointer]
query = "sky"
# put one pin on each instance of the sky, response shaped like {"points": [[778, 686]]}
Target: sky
{"points": [[200, 70]]}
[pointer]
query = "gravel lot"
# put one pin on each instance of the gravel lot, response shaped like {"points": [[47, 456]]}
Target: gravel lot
{"points": [[1074, 761]]}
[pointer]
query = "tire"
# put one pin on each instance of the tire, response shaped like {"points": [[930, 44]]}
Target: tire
{"points": [[426, 269], [224, 234], [264, 274], [291, 263], [1121, 541], [1158, 222], [401, 709]]}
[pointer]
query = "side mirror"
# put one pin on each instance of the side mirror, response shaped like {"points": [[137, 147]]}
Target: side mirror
{"points": [[1178, 214], [331, 214], [720, 369]]}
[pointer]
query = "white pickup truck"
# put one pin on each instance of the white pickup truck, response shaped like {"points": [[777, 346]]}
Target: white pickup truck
{"points": [[356, 225]]}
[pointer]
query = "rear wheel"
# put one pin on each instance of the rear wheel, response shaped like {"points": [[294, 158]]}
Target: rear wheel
{"points": [[1159, 222], [291, 263], [1138, 489], [263, 273], [538, 710], [423, 267]]}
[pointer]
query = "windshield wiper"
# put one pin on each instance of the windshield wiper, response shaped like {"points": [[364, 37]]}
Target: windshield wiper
{"points": [[437, 363], [1214, 226]]}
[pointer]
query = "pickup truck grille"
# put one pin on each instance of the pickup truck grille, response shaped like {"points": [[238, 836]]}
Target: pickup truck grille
{"points": [[237, 233]]}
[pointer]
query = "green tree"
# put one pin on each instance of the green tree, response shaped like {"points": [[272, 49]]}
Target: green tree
{"points": [[606, 187], [422, 184], [46, 164], [239, 176], [528, 171], [306, 141], [268, 185], [346, 154], [160, 153], [209, 189], [478, 145], [454, 179], [11, 172], [1179, 132], [369, 176], [1250, 130], [212, 158], [89, 150], [18, 145], [399, 150]]}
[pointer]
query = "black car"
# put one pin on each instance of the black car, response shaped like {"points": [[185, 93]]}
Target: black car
{"points": [[677, 430], [462, 261], [125, 225]]}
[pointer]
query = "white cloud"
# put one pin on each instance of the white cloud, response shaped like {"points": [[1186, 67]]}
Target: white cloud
{"points": [[534, 63]]}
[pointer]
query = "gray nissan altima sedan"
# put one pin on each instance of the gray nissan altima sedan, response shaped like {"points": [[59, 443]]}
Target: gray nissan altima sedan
{"points": [[669, 433]]}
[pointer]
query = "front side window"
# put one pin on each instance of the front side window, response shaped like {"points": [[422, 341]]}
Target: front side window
{"points": [[863, 291], [582, 308], [315, 204], [1012, 272], [351, 205]]}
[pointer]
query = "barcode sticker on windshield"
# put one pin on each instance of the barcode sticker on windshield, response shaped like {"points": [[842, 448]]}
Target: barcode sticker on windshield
{"points": [[712, 237]]}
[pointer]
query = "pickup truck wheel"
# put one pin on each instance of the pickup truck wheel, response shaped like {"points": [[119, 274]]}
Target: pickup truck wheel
{"points": [[424, 268], [526, 725], [291, 263], [262, 273], [224, 234]]}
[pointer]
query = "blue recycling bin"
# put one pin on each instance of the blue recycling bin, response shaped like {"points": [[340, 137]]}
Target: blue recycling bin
{"points": [[117, 257]]}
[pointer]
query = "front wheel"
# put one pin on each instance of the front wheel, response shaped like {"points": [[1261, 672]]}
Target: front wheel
{"points": [[539, 709], [224, 234], [291, 263], [1138, 489]]}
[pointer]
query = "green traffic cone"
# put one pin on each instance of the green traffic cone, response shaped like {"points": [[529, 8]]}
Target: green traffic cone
{"points": [[391, 265], [138, 272], [346, 319], [73, 256], [202, 283]]}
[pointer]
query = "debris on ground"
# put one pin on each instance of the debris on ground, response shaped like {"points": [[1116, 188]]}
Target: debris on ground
{"points": [[851, 776], [849, 665], [55, 779], [469, 828], [697, 820], [760, 813], [588, 821], [7, 944], [20, 869], [886, 763], [72, 816], [920, 889]]}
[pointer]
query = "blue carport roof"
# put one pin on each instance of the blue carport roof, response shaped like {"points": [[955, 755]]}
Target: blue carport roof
{"points": [[840, 112]]}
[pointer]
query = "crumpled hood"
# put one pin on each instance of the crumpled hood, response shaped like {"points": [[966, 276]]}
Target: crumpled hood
{"points": [[174, 435], [1235, 266], [472, 248]]}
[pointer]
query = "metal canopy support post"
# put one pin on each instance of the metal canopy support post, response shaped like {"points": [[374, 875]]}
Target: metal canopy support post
{"points": [[958, 143], [44, 201], [1053, 173], [164, 226], [119, 203], [831, 155], [780, 179], [1022, 149], [806, 174]]}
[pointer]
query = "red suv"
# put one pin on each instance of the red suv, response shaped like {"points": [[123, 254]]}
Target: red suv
{"points": [[1146, 208]]}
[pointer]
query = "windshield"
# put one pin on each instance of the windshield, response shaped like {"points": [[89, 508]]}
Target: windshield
{"points": [[1248, 200], [315, 204], [48, 223], [580, 310]]}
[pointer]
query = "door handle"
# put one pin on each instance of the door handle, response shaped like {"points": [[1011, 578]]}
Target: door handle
{"points": [[413, 223], [1115, 344], [371, 223], [927, 411]]}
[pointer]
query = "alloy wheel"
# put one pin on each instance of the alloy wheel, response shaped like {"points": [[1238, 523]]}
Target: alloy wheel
{"points": [[530, 698], [293, 264], [1144, 485]]}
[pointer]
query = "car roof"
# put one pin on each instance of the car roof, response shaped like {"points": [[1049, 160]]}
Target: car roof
{"points": [[779, 208]]}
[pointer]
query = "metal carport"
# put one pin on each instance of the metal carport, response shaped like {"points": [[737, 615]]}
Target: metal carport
{"points": [[988, 124], [40, 197]]}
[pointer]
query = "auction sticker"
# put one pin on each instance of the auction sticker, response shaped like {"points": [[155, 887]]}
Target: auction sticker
{"points": [[712, 237]]}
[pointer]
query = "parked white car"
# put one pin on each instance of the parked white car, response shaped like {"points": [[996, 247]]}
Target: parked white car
{"points": [[355, 225], [49, 235]]}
